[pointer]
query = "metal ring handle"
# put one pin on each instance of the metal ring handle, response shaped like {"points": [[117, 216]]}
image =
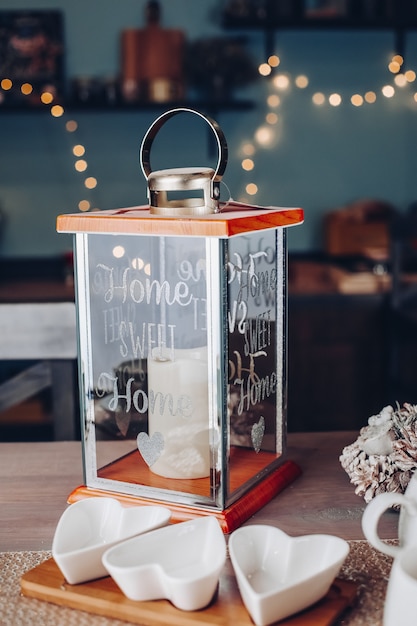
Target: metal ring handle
{"points": [[145, 148]]}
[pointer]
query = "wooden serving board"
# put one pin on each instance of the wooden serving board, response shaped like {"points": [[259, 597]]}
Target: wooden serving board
{"points": [[103, 597]]}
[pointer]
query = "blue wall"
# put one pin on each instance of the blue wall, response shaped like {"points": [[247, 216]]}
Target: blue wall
{"points": [[322, 157]]}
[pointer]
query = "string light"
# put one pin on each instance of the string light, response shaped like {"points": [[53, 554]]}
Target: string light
{"points": [[78, 150], [388, 91], [318, 98], [57, 111], [400, 80], [370, 97], [251, 189], [47, 97], [301, 81], [357, 100], [248, 149], [80, 165], [264, 69], [6, 84], [271, 118], [273, 101], [394, 67], [281, 81], [26, 89], [274, 60], [71, 126], [264, 136], [248, 164], [90, 182], [118, 252], [84, 205], [335, 99]]}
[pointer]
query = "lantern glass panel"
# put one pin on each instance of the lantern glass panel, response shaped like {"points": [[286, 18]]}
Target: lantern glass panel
{"points": [[182, 363], [256, 350], [150, 358]]}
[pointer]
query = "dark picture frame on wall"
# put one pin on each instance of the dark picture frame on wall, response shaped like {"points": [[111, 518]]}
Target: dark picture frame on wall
{"points": [[31, 55]]}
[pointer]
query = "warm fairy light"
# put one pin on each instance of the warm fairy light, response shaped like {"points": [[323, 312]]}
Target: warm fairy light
{"points": [[138, 263], [357, 100], [26, 89], [274, 60], [71, 126], [80, 165], [318, 98], [248, 149], [271, 118], [84, 205], [118, 252], [301, 81], [335, 99], [410, 76], [394, 67], [78, 150], [281, 81], [248, 165], [400, 80], [90, 182], [47, 97], [273, 100], [264, 69], [415, 97], [264, 135], [57, 110], [370, 97], [388, 91], [251, 189], [6, 84], [397, 58]]}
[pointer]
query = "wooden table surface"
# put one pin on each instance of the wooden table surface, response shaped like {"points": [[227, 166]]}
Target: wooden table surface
{"points": [[36, 478]]}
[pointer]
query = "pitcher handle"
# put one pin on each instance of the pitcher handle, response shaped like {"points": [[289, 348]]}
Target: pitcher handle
{"points": [[372, 514]]}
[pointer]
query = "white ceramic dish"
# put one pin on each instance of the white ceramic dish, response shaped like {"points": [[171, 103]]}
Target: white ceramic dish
{"points": [[279, 575], [180, 563], [89, 527]]}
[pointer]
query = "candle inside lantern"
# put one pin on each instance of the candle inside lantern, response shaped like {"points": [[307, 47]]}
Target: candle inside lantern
{"points": [[178, 410]]}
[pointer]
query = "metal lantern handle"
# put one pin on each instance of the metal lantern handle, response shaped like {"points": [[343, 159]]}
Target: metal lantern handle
{"points": [[145, 148]]}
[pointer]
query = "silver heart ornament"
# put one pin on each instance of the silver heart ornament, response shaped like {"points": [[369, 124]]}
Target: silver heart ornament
{"points": [[150, 447], [257, 434]]}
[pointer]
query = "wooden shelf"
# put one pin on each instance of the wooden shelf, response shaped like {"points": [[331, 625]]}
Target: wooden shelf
{"points": [[120, 107], [405, 20], [316, 23]]}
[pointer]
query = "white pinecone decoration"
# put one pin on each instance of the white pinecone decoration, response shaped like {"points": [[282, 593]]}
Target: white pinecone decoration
{"points": [[384, 456]]}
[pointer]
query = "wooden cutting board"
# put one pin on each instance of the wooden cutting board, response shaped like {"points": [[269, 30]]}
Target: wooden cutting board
{"points": [[103, 597]]}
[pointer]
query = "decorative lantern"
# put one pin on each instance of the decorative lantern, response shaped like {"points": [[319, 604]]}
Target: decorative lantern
{"points": [[182, 345]]}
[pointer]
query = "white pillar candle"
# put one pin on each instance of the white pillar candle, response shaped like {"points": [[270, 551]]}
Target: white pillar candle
{"points": [[178, 410]]}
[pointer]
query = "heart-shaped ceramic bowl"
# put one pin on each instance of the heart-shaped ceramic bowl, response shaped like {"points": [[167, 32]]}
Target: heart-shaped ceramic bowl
{"points": [[89, 527], [180, 563], [279, 575]]}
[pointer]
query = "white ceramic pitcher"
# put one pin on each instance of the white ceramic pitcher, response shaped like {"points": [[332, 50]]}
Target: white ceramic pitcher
{"points": [[407, 525]]}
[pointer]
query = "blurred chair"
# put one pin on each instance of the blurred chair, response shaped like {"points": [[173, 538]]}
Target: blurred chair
{"points": [[44, 333]]}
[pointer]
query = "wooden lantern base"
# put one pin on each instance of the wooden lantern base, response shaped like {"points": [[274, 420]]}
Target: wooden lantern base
{"points": [[230, 518]]}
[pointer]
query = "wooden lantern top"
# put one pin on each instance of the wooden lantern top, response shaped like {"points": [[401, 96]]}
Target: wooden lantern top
{"points": [[234, 219]]}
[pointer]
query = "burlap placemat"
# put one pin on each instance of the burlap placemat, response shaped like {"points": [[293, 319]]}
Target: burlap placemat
{"points": [[364, 566]]}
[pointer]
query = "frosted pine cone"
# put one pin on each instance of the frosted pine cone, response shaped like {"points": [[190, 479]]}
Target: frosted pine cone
{"points": [[384, 456]]}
